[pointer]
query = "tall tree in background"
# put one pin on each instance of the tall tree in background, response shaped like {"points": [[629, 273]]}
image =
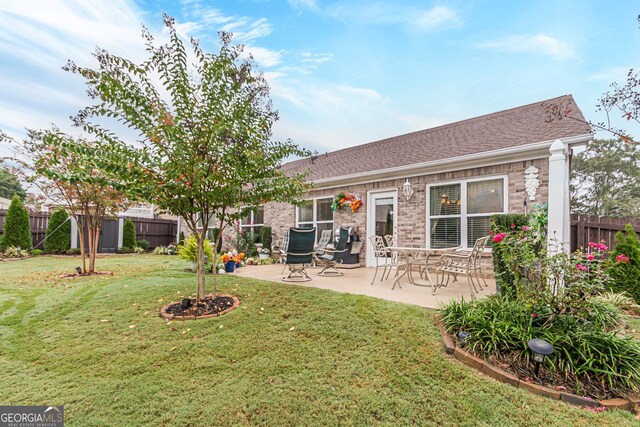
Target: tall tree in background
{"points": [[64, 170], [10, 185], [605, 179], [17, 227], [205, 131]]}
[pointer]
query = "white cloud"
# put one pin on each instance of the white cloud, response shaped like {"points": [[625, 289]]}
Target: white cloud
{"points": [[303, 4], [316, 58], [615, 74], [264, 57], [539, 44], [379, 13]]}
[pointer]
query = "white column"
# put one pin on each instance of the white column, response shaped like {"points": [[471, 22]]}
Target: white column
{"points": [[74, 232], [559, 224], [120, 231], [178, 232]]}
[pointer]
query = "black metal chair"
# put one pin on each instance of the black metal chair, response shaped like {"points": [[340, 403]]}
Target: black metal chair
{"points": [[299, 253], [330, 259]]}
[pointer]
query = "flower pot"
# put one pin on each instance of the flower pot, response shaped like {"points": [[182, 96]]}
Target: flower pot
{"points": [[229, 267], [237, 265]]}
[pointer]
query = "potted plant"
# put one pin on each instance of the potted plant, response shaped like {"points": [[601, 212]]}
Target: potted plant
{"points": [[264, 253]]}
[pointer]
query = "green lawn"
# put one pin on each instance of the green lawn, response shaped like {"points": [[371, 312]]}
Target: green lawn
{"points": [[288, 356]]}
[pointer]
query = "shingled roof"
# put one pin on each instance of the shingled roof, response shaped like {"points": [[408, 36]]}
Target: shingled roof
{"points": [[509, 128]]}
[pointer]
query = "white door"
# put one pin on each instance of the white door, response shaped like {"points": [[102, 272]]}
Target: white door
{"points": [[381, 218]]}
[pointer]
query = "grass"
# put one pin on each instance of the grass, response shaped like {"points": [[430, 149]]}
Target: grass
{"points": [[288, 356]]}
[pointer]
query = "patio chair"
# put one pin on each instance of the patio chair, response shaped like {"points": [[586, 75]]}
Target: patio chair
{"points": [[379, 251], [465, 263], [299, 253], [330, 259], [280, 248], [325, 237]]}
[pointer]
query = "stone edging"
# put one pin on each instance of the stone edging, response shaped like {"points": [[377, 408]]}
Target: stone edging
{"points": [[508, 378], [167, 316]]}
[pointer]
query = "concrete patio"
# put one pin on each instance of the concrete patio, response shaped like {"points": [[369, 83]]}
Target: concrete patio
{"points": [[358, 281]]}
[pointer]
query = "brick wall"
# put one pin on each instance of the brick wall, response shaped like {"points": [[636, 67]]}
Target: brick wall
{"points": [[411, 215]]}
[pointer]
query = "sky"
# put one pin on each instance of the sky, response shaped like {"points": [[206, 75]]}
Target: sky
{"points": [[342, 73]]}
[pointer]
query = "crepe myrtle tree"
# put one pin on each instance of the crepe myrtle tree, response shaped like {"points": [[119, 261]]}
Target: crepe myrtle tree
{"points": [[204, 123], [64, 170]]}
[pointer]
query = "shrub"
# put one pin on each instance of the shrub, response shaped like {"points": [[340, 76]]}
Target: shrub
{"points": [[13, 252], [624, 265], [125, 250], [188, 252], [505, 280], [129, 234], [58, 235], [36, 252], [137, 250], [265, 237], [17, 229], [144, 244], [181, 238], [73, 251], [585, 350], [165, 250]]}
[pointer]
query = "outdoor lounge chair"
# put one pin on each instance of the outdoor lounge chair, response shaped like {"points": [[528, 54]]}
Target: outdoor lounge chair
{"points": [[379, 251], [325, 238], [299, 253], [330, 259], [464, 263], [280, 248]]}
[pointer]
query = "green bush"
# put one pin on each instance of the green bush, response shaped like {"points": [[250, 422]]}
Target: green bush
{"points": [[125, 250], [13, 252], [73, 251], [144, 244], [188, 252], [505, 280], [624, 265], [17, 229], [36, 252], [585, 349], [181, 238], [58, 235], [265, 237], [129, 234]]}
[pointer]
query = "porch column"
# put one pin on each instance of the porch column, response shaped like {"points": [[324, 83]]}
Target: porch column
{"points": [[559, 220], [120, 232], [74, 232]]}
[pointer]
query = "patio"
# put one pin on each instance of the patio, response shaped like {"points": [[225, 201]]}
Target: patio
{"points": [[358, 281]]}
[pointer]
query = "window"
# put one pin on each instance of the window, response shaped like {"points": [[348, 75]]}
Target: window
{"points": [[254, 221], [459, 212], [316, 213]]}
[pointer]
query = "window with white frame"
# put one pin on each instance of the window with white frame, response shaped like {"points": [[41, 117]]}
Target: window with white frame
{"points": [[459, 212], [253, 221], [316, 213]]}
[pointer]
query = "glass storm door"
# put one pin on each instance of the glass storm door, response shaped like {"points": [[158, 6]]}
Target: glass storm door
{"points": [[381, 215]]}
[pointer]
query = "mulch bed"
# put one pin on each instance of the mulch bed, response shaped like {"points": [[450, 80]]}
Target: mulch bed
{"points": [[95, 273], [210, 307]]}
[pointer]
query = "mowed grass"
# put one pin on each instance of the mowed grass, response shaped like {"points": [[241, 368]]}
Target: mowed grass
{"points": [[288, 356]]}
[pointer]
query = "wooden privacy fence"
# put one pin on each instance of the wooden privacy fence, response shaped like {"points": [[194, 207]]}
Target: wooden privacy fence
{"points": [[39, 222], [156, 231], [159, 232], [586, 228]]}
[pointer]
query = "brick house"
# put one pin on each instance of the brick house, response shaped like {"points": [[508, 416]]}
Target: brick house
{"points": [[455, 175]]}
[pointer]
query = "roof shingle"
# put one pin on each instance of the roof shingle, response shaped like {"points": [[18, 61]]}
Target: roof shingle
{"points": [[522, 125]]}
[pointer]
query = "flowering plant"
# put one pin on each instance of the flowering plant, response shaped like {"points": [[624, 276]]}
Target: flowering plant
{"points": [[343, 200]]}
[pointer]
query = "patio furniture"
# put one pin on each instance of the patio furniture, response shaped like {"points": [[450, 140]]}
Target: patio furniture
{"points": [[379, 251], [299, 253], [321, 247], [465, 263], [416, 258], [280, 248], [330, 259]]}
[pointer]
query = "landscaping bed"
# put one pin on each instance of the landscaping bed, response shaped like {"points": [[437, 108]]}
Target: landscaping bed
{"points": [[189, 309]]}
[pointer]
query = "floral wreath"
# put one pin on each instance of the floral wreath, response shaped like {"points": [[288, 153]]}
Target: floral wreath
{"points": [[343, 201]]}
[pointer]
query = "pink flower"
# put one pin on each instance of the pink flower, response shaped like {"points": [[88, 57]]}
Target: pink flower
{"points": [[622, 259], [534, 315], [600, 246], [498, 237], [582, 267], [591, 257], [526, 228], [513, 225]]}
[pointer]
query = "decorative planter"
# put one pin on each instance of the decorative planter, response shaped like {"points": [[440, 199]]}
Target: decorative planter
{"points": [[237, 265], [229, 267]]}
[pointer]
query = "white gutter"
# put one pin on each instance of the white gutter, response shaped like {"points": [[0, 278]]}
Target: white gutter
{"points": [[532, 151]]}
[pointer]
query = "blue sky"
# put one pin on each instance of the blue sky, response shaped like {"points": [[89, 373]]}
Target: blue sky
{"points": [[342, 73]]}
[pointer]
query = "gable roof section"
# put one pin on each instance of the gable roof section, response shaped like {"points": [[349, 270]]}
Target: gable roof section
{"points": [[515, 127]]}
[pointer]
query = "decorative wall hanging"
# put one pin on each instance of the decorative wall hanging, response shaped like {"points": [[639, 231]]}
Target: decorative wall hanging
{"points": [[343, 201], [531, 182]]}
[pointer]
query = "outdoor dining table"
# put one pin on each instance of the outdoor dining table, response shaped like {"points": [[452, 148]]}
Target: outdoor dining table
{"points": [[416, 256]]}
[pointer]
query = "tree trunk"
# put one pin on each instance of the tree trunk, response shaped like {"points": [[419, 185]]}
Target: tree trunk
{"points": [[81, 235], [215, 258], [200, 289], [93, 251]]}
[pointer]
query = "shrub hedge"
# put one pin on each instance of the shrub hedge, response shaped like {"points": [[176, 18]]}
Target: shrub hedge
{"points": [[58, 235], [129, 234], [265, 237], [625, 275], [505, 281], [17, 229]]}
